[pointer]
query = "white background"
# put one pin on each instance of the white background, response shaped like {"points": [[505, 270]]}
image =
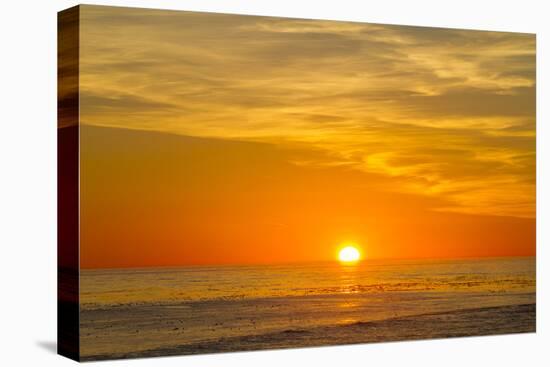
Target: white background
{"points": [[28, 182]]}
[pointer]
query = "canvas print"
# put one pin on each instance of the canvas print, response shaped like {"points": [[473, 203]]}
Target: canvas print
{"points": [[232, 183]]}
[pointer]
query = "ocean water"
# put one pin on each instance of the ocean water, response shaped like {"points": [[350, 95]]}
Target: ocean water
{"points": [[201, 309]]}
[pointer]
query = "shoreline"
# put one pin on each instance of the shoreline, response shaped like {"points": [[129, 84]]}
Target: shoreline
{"points": [[495, 320]]}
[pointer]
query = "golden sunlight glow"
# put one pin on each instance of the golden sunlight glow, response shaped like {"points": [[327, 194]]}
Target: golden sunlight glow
{"points": [[349, 254], [338, 153]]}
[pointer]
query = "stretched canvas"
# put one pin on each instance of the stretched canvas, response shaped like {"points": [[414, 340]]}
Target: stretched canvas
{"points": [[232, 183]]}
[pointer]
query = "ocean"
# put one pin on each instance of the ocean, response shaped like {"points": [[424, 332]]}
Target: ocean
{"points": [[127, 313]]}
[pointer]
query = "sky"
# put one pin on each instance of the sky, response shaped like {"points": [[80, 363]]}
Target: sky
{"points": [[211, 139]]}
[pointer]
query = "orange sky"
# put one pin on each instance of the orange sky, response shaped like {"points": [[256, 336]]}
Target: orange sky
{"points": [[209, 138]]}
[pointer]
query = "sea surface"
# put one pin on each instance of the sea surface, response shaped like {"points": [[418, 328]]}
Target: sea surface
{"points": [[128, 313]]}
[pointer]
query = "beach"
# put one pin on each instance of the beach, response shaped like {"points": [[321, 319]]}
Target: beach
{"points": [[129, 313]]}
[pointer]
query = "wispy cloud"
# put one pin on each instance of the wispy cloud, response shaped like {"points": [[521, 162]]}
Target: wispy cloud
{"points": [[448, 113]]}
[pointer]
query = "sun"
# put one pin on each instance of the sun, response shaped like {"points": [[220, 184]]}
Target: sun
{"points": [[349, 254]]}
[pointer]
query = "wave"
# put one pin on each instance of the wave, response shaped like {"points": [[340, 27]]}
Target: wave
{"points": [[519, 318]]}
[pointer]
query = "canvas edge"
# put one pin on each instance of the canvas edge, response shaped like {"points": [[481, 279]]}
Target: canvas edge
{"points": [[68, 313]]}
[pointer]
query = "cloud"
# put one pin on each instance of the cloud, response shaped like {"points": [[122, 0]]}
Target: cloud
{"points": [[446, 113], [123, 103]]}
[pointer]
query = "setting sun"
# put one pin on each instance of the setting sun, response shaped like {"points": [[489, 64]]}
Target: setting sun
{"points": [[349, 254]]}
